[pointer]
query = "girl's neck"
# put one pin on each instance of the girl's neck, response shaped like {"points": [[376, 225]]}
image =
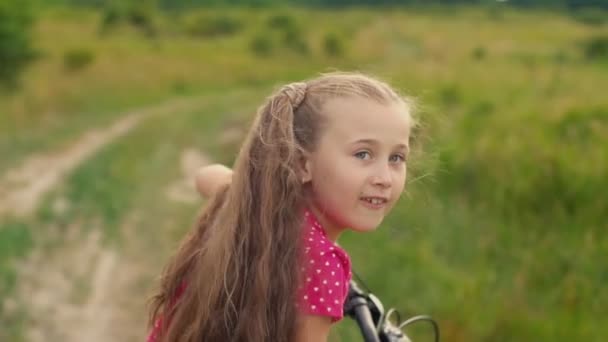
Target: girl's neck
{"points": [[333, 232]]}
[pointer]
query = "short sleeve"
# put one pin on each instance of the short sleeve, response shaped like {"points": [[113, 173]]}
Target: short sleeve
{"points": [[324, 284], [155, 332]]}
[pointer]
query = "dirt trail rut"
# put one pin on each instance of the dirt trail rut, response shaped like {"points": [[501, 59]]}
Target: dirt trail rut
{"points": [[85, 290]]}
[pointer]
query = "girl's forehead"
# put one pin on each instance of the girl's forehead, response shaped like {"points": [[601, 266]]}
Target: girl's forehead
{"points": [[357, 118]]}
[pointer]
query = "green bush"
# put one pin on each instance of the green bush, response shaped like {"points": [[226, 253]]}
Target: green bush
{"points": [[450, 94], [596, 47], [333, 45], [294, 39], [216, 26], [77, 59], [495, 10], [591, 16], [16, 51], [289, 33], [281, 21], [479, 53], [581, 125], [140, 15], [261, 45], [111, 17]]}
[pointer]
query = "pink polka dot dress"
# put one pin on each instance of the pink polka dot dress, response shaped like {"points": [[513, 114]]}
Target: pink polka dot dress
{"points": [[326, 273]]}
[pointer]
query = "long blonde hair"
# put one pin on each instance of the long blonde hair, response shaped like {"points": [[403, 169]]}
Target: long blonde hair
{"points": [[240, 260]]}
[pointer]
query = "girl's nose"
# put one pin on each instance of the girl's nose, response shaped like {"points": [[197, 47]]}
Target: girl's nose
{"points": [[382, 177]]}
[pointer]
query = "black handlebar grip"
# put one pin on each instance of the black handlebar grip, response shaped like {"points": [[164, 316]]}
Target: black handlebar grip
{"points": [[364, 320]]}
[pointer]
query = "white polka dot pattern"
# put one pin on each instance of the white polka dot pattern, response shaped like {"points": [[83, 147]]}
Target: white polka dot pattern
{"points": [[326, 273]]}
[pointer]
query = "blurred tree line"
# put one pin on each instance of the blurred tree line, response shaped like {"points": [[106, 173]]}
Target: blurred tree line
{"points": [[17, 19], [176, 4]]}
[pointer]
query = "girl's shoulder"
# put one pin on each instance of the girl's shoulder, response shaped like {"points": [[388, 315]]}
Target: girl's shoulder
{"points": [[325, 274], [322, 252], [317, 246]]}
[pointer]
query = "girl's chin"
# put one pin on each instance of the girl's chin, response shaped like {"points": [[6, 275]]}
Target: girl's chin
{"points": [[367, 224], [364, 229]]}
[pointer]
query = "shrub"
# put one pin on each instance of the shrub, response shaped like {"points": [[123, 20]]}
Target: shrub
{"points": [[580, 125], [479, 53], [295, 40], [142, 18], [16, 51], [596, 47], [111, 17], [140, 15], [216, 26], [591, 16], [333, 45], [261, 45], [281, 21], [77, 59], [450, 94]]}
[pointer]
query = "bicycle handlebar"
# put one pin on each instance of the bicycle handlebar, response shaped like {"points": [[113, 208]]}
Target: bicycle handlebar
{"points": [[363, 316], [367, 310]]}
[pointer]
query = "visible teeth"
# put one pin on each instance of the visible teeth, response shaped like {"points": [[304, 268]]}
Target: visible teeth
{"points": [[374, 200]]}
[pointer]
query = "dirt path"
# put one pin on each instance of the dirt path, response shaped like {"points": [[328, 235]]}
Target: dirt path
{"points": [[22, 187], [182, 189], [85, 290]]}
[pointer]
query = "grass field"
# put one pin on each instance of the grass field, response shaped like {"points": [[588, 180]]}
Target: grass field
{"points": [[500, 237]]}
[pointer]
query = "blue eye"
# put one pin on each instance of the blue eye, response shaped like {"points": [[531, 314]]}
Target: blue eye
{"points": [[362, 154], [400, 158]]}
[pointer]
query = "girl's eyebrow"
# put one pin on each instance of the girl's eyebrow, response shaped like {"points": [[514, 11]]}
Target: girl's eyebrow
{"points": [[376, 142]]}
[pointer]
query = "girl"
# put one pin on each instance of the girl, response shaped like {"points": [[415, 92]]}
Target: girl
{"points": [[322, 156]]}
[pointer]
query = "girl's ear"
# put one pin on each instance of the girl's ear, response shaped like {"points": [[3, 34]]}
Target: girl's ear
{"points": [[305, 168]]}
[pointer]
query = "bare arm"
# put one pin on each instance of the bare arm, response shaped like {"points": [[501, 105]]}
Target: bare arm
{"points": [[311, 328], [210, 178]]}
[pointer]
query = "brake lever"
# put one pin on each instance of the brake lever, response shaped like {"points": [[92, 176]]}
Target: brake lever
{"points": [[391, 333], [378, 320], [385, 329]]}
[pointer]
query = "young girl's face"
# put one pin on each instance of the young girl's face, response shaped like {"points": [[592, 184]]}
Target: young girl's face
{"points": [[358, 171]]}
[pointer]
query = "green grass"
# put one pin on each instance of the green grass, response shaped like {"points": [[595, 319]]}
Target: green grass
{"points": [[15, 243], [500, 239], [123, 182]]}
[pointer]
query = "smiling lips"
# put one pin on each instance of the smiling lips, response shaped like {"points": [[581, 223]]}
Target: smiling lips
{"points": [[374, 202]]}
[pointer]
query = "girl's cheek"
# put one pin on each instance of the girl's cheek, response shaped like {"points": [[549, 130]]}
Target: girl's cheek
{"points": [[400, 177]]}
